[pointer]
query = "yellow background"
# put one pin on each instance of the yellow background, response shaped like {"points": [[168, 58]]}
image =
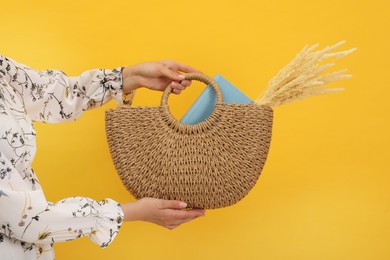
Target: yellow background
{"points": [[325, 190]]}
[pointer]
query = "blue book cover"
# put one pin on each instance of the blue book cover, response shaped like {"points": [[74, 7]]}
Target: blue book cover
{"points": [[204, 105]]}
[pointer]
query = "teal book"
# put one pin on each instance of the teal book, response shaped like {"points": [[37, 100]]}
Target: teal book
{"points": [[204, 105]]}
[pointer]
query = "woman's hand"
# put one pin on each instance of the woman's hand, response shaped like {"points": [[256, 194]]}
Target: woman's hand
{"points": [[166, 213], [156, 76]]}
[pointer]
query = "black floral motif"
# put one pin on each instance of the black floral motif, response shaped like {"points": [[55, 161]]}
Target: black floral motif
{"points": [[112, 235], [17, 144], [4, 172], [2, 108], [86, 209], [47, 96], [6, 230], [38, 86]]}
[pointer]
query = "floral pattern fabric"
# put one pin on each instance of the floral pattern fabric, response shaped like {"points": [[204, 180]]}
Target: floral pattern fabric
{"points": [[29, 224]]}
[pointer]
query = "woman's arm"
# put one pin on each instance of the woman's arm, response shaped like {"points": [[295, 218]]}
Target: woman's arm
{"points": [[51, 96], [27, 216], [166, 213]]}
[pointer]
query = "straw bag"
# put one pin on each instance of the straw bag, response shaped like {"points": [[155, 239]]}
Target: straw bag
{"points": [[212, 164]]}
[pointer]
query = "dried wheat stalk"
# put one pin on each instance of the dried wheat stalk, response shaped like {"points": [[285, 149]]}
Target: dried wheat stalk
{"points": [[303, 76]]}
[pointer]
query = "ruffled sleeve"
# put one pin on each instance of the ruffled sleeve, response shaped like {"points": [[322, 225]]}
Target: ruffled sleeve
{"points": [[48, 96], [51, 96], [27, 216]]}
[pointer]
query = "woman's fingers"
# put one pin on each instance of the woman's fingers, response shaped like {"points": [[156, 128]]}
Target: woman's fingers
{"points": [[185, 83], [171, 69], [186, 68], [174, 215], [178, 87], [179, 66], [177, 218], [172, 204], [182, 216], [171, 74], [176, 91], [181, 85], [166, 213]]}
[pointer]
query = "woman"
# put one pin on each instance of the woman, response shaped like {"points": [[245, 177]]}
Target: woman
{"points": [[29, 225]]}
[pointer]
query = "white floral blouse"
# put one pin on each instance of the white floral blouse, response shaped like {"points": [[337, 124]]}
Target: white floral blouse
{"points": [[30, 225]]}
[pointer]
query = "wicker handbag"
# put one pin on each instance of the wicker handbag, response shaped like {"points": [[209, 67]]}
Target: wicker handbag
{"points": [[212, 164]]}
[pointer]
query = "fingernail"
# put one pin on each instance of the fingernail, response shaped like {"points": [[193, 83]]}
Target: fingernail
{"points": [[174, 84], [182, 205], [181, 76]]}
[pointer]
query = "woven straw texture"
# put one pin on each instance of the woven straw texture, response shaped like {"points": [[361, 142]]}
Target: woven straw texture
{"points": [[212, 164]]}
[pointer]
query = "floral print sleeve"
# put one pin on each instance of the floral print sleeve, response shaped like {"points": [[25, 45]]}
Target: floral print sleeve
{"points": [[29, 224], [50, 96], [28, 217]]}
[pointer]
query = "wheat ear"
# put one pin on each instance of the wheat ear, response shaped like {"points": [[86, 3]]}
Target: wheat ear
{"points": [[304, 76]]}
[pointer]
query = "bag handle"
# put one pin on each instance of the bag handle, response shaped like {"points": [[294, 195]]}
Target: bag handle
{"points": [[194, 76], [200, 127], [128, 98]]}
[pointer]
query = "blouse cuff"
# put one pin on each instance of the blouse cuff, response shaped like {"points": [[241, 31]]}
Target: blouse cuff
{"points": [[116, 84], [107, 227]]}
